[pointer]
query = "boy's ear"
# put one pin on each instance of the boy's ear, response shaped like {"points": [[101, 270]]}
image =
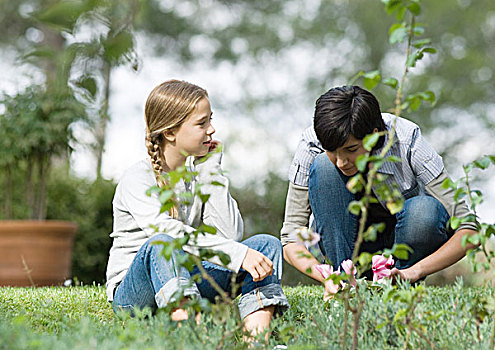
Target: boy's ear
{"points": [[169, 135], [375, 130]]}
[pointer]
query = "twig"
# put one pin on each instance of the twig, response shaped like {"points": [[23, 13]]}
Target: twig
{"points": [[28, 271], [421, 335], [214, 284], [325, 334]]}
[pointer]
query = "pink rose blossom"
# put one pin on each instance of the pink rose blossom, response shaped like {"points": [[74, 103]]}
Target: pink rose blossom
{"points": [[305, 234], [381, 267], [349, 269], [327, 271]]}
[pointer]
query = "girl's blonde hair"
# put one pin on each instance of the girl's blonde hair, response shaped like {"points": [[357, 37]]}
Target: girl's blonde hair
{"points": [[167, 107]]}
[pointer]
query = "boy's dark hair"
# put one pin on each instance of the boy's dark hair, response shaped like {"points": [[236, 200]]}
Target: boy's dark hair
{"points": [[345, 111]]}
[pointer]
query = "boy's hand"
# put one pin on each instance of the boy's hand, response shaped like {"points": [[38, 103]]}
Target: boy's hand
{"points": [[405, 274], [258, 265], [330, 289]]}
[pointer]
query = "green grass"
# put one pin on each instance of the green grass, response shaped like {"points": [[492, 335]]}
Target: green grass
{"points": [[453, 317]]}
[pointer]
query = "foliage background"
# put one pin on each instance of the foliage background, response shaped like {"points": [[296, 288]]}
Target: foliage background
{"points": [[264, 64]]}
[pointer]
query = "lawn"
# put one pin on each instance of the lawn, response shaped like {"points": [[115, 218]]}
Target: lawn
{"points": [[452, 317]]}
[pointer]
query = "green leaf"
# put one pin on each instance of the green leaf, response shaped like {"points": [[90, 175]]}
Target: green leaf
{"points": [[459, 194], [392, 82], [421, 43], [63, 15], [208, 229], [454, 222], [355, 183], [414, 7], [165, 196], [482, 163], [370, 141], [117, 46], [355, 207], [362, 161], [364, 259], [371, 79], [393, 159], [88, 84], [401, 251], [397, 33], [430, 50], [395, 206], [448, 183]]}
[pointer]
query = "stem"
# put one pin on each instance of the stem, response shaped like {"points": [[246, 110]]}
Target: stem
{"points": [[214, 284], [356, 312], [492, 336], [468, 187], [422, 336], [325, 334], [398, 96], [385, 149], [343, 338]]}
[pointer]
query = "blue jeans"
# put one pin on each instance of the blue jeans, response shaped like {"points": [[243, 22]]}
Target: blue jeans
{"points": [[421, 224], [153, 281]]}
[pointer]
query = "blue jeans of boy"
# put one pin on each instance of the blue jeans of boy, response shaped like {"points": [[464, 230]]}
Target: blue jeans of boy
{"points": [[421, 224], [153, 281]]}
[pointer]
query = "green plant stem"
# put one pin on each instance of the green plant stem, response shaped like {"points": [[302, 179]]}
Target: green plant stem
{"points": [[356, 313], [468, 187], [398, 96], [492, 336], [343, 337], [391, 139], [213, 283]]}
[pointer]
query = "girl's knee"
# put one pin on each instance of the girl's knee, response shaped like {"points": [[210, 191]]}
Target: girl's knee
{"points": [[161, 237]]}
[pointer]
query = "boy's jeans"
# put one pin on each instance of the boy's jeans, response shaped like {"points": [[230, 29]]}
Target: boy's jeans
{"points": [[421, 224], [152, 281]]}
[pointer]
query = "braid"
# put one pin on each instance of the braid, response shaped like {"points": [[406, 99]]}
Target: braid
{"points": [[153, 146]]}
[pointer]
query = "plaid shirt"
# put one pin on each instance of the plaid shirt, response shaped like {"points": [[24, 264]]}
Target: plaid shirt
{"points": [[420, 163]]}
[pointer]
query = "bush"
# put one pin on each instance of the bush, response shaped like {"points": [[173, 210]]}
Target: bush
{"points": [[89, 204], [454, 317]]}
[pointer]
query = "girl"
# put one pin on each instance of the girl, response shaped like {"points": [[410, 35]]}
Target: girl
{"points": [[178, 121]]}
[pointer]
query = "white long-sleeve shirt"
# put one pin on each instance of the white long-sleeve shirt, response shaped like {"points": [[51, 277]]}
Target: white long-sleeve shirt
{"points": [[134, 212]]}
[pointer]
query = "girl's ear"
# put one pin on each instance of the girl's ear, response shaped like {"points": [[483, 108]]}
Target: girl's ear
{"points": [[169, 135], [375, 130]]}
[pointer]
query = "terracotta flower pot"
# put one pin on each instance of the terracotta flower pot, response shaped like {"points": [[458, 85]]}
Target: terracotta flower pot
{"points": [[35, 252]]}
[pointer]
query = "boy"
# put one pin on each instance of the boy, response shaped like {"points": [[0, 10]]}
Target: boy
{"points": [[326, 159]]}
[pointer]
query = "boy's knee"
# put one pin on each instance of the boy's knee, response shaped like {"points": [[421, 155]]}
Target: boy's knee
{"points": [[423, 218]]}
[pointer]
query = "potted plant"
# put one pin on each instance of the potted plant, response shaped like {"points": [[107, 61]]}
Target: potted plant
{"points": [[35, 128]]}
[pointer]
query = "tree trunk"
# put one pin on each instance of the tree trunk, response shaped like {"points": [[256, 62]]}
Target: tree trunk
{"points": [[8, 194], [104, 118], [30, 187], [42, 180]]}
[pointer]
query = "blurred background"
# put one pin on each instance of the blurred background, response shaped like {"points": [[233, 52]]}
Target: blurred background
{"points": [[264, 64]]}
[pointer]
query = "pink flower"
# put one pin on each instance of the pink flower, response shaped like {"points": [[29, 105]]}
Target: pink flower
{"points": [[326, 271], [305, 234], [349, 269], [381, 267]]}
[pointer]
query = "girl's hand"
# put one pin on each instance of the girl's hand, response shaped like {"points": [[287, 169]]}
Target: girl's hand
{"points": [[258, 265]]}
